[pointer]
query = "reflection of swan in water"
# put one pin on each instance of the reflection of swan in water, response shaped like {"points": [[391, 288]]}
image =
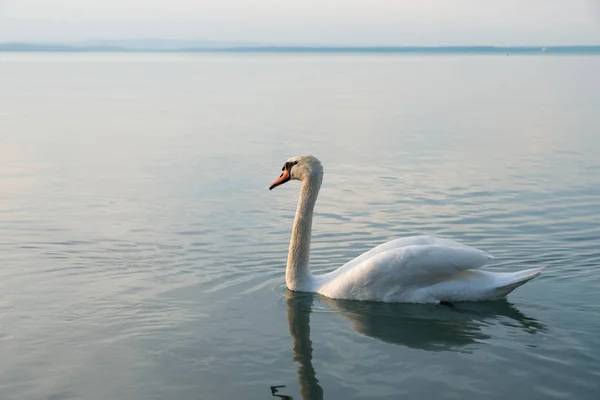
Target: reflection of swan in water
{"points": [[437, 328], [299, 307], [420, 326]]}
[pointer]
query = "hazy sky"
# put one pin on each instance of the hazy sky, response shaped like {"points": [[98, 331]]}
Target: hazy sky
{"points": [[367, 22]]}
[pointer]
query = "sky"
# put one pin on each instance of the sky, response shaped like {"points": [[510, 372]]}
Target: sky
{"points": [[344, 22]]}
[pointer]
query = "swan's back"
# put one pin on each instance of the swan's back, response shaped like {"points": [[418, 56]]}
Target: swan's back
{"points": [[409, 241]]}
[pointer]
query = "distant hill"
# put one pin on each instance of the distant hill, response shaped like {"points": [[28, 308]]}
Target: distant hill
{"points": [[162, 44], [125, 45], [165, 45], [55, 47]]}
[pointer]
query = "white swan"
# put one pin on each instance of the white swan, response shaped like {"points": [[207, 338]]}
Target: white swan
{"points": [[418, 269]]}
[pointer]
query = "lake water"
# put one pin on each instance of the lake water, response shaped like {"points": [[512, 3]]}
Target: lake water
{"points": [[142, 255]]}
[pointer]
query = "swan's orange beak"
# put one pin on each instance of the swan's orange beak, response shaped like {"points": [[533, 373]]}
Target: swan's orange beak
{"points": [[283, 178]]}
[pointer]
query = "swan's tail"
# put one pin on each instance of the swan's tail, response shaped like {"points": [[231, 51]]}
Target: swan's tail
{"points": [[474, 285], [511, 281]]}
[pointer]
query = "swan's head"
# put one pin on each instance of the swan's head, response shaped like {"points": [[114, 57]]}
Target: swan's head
{"points": [[299, 168]]}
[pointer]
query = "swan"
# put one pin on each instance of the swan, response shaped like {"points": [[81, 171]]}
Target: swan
{"points": [[416, 269]]}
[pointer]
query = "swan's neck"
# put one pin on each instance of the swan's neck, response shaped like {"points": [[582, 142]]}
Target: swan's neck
{"points": [[297, 273]]}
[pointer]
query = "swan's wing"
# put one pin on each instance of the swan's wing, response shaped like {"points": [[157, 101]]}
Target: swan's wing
{"points": [[409, 241], [410, 266]]}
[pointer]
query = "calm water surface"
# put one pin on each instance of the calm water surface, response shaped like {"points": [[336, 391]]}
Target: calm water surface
{"points": [[142, 256]]}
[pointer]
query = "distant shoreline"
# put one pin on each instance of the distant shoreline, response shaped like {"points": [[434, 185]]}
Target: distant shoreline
{"points": [[35, 47]]}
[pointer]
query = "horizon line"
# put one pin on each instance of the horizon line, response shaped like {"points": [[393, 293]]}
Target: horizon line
{"points": [[214, 46]]}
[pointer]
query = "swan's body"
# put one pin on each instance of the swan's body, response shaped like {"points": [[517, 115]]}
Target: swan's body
{"points": [[418, 269]]}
